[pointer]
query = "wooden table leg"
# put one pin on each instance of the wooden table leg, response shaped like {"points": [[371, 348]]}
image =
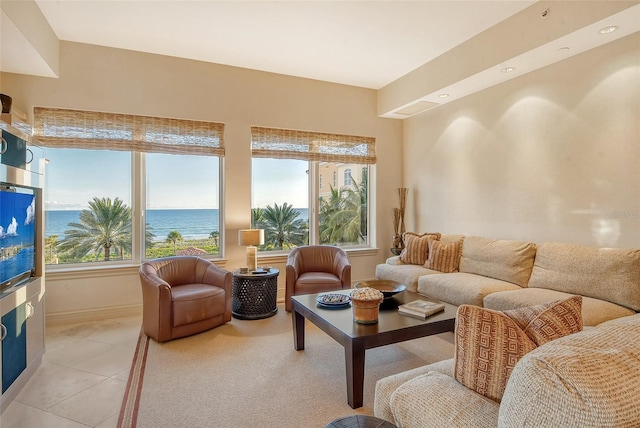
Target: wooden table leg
{"points": [[298, 330], [354, 357]]}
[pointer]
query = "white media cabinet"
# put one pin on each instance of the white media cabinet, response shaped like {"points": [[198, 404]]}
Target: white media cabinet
{"points": [[22, 311]]}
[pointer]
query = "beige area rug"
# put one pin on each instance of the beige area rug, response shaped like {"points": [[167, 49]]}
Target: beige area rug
{"points": [[247, 374]]}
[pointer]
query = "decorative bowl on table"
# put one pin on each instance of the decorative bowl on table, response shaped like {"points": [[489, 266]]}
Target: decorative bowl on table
{"points": [[387, 287]]}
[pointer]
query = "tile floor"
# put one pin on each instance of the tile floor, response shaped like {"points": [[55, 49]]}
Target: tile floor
{"points": [[82, 378]]}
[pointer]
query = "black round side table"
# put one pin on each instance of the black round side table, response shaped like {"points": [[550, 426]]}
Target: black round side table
{"points": [[254, 294], [360, 421]]}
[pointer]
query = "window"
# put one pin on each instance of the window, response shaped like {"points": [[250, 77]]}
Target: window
{"points": [[335, 179], [99, 218], [347, 177], [182, 205], [288, 199], [321, 181]]}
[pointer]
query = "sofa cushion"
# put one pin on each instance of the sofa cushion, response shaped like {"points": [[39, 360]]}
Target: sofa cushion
{"points": [[416, 247], [594, 311], [588, 379], [404, 274], [444, 257], [461, 288], [435, 400], [385, 387], [509, 261], [489, 343], [602, 273]]}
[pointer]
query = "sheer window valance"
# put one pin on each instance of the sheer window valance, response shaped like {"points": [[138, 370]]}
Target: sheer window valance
{"points": [[79, 129], [312, 146]]}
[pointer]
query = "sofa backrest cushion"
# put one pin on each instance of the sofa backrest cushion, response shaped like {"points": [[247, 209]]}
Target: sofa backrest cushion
{"points": [[489, 343], [509, 261], [416, 247], [589, 379], [603, 273]]}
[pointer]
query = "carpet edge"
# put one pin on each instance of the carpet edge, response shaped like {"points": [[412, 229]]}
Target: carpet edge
{"points": [[131, 401]]}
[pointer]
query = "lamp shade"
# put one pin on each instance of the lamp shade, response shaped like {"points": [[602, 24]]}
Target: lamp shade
{"points": [[248, 237]]}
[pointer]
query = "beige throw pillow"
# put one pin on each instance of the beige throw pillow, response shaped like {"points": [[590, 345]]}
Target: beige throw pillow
{"points": [[416, 247], [444, 257], [489, 343]]}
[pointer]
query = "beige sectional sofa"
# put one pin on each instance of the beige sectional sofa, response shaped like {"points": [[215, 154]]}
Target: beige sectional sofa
{"points": [[508, 274], [586, 379]]}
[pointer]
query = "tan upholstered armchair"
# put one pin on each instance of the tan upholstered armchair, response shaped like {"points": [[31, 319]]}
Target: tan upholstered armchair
{"points": [[183, 295], [315, 269]]}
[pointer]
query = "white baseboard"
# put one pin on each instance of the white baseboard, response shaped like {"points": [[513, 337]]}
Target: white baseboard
{"points": [[93, 315]]}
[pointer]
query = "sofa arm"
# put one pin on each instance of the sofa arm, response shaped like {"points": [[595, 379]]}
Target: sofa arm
{"points": [[437, 400], [385, 387], [394, 260], [586, 379]]}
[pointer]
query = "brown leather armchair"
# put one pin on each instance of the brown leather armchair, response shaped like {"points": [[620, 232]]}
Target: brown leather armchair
{"points": [[183, 295], [315, 269]]}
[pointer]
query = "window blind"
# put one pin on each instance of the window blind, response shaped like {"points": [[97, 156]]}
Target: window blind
{"points": [[311, 146], [63, 128]]}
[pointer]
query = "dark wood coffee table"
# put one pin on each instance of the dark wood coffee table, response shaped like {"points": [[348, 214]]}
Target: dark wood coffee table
{"points": [[357, 338]]}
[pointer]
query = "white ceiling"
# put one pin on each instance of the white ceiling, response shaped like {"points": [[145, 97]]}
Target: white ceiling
{"points": [[360, 43]]}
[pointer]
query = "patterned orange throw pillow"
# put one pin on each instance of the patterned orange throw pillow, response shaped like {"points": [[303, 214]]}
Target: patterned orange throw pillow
{"points": [[489, 343], [416, 247], [543, 323]]}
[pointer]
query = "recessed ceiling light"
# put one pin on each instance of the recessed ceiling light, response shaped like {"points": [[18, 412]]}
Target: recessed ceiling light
{"points": [[609, 29], [564, 48], [508, 69], [443, 95]]}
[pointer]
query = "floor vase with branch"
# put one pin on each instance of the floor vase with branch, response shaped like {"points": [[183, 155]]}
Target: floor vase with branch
{"points": [[398, 222]]}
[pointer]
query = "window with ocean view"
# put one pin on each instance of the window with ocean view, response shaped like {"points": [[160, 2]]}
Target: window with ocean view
{"points": [[87, 206], [183, 206], [96, 210]]}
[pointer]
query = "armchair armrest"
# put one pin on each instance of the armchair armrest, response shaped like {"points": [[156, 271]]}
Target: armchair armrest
{"points": [[342, 269]]}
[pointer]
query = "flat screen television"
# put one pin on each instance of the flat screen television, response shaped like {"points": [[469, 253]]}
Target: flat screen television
{"points": [[17, 235]]}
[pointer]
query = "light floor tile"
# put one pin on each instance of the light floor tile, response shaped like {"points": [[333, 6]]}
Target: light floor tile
{"points": [[52, 384], [47, 420], [94, 405], [82, 379], [73, 351], [109, 363], [17, 412], [112, 422]]}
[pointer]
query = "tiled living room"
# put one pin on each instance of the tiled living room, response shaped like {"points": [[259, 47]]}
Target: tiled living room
{"points": [[513, 125]]}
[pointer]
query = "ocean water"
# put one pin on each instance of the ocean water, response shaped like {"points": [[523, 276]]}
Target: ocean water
{"points": [[192, 224]]}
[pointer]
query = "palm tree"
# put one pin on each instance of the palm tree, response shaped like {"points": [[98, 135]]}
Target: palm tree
{"points": [[174, 236], [257, 217], [103, 228], [51, 244], [282, 226], [215, 235], [343, 216]]}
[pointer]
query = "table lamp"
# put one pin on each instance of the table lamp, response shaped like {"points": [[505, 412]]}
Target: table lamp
{"points": [[251, 238]]}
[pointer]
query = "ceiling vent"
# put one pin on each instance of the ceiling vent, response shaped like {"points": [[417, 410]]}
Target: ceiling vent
{"points": [[416, 108]]}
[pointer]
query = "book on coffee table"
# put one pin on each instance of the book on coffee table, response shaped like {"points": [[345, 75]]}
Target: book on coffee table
{"points": [[420, 308]]}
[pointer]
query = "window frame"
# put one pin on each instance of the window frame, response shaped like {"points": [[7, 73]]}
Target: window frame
{"points": [[90, 130]]}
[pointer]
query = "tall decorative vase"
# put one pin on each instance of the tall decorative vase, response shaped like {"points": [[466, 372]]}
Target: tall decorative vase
{"points": [[398, 222]]}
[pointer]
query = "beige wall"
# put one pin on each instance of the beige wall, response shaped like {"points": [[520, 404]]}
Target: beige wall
{"points": [[113, 80], [553, 155]]}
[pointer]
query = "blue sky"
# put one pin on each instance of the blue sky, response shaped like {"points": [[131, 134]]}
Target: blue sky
{"points": [[74, 177]]}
